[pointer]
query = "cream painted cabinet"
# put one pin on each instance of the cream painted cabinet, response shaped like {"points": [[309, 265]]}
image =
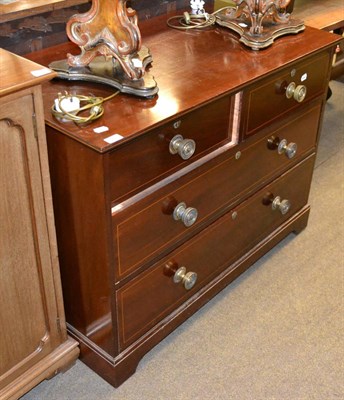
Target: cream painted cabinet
{"points": [[33, 341]]}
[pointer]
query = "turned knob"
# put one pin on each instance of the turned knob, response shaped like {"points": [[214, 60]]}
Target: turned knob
{"points": [[288, 149], [277, 203], [188, 279], [282, 146], [188, 215], [184, 147], [297, 92], [282, 205]]}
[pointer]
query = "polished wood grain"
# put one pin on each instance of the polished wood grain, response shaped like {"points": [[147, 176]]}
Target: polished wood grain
{"points": [[190, 68], [266, 101], [19, 73], [20, 235], [145, 230], [82, 208], [89, 284], [150, 297], [113, 201], [34, 342], [117, 370], [150, 155]]}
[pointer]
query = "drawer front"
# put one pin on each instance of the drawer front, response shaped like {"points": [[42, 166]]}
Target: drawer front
{"points": [[148, 158], [153, 295], [146, 229], [267, 100]]}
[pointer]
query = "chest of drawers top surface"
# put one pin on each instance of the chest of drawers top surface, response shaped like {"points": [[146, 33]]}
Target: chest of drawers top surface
{"points": [[191, 69]]}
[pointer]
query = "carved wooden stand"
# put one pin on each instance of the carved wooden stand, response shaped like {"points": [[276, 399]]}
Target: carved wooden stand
{"points": [[111, 51], [259, 22]]}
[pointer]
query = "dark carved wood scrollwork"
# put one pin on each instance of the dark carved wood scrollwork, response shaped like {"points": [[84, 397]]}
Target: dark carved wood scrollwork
{"points": [[111, 50], [109, 29]]}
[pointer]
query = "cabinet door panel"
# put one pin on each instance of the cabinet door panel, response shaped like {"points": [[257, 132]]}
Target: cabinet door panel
{"points": [[24, 247]]}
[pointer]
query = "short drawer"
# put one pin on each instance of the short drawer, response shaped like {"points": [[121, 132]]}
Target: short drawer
{"points": [[147, 228], [154, 294], [267, 100], [168, 148]]}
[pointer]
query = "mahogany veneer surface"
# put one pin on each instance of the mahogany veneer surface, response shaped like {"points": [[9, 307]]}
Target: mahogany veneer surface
{"points": [[191, 68], [114, 203]]}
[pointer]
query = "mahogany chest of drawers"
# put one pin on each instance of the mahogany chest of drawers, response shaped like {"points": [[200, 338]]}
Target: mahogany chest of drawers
{"points": [[181, 193]]}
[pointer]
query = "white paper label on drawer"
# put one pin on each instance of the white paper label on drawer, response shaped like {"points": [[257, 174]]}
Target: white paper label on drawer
{"points": [[304, 77], [114, 138], [100, 129]]}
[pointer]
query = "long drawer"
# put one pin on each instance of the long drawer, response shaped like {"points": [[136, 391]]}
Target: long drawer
{"points": [[267, 100], [143, 230], [155, 293]]}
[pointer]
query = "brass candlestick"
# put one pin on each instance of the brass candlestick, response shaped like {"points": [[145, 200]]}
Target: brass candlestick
{"points": [[111, 50], [259, 22]]}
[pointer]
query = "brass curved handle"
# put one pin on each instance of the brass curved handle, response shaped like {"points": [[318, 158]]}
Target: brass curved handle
{"points": [[298, 92], [188, 215], [184, 147], [188, 279]]}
